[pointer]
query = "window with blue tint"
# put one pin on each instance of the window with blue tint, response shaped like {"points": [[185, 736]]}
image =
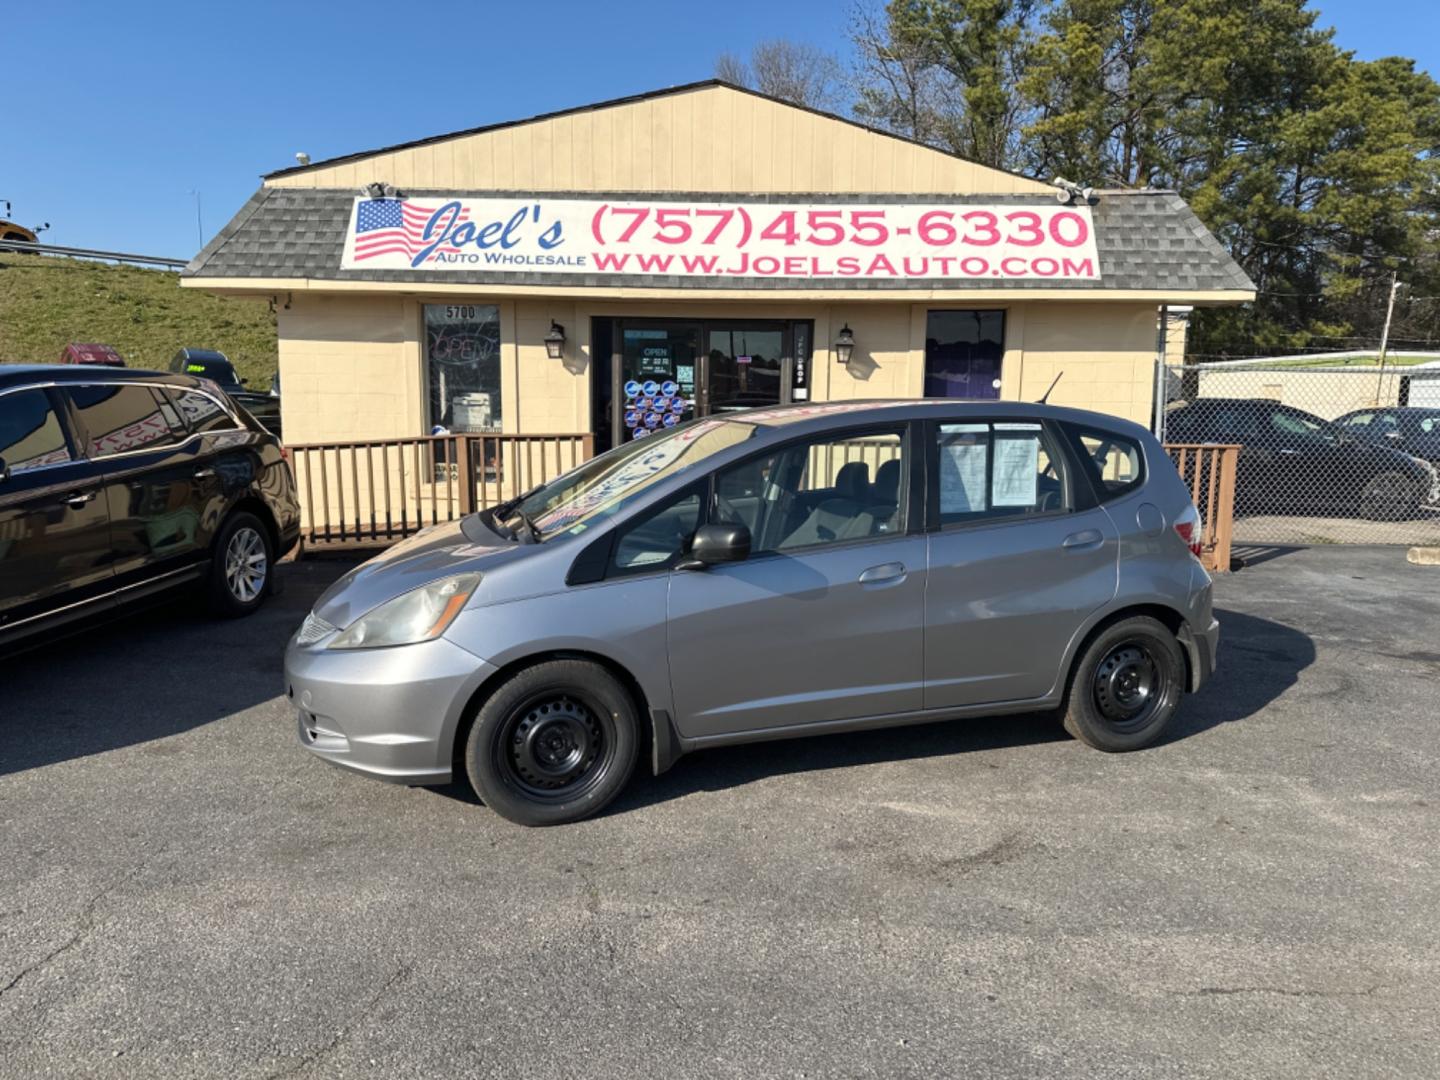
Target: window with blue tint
{"points": [[30, 433], [964, 351]]}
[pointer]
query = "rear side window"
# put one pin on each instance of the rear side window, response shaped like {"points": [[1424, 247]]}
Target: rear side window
{"points": [[30, 433], [123, 418], [202, 412], [1115, 462], [997, 470]]}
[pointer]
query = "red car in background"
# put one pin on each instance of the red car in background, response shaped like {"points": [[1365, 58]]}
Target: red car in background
{"points": [[78, 352]]}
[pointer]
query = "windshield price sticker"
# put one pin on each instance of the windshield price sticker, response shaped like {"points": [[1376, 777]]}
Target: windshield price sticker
{"points": [[932, 241]]}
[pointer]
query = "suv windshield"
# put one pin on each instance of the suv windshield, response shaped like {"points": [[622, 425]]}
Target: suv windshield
{"points": [[221, 372], [598, 490]]}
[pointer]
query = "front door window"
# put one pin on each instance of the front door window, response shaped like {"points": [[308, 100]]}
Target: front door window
{"points": [[673, 370], [462, 367]]}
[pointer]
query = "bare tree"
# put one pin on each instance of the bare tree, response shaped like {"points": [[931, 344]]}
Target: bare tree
{"points": [[789, 70]]}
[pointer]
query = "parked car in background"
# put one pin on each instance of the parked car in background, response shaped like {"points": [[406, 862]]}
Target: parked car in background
{"points": [[781, 572], [1416, 431], [216, 366], [91, 353], [116, 486], [1294, 462]]}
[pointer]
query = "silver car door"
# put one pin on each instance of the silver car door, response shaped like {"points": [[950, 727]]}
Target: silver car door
{"points": [[824, 621], [1016, 564]]}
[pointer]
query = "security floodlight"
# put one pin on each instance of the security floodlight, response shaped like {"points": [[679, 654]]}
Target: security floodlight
{"points": [[302, 157]]}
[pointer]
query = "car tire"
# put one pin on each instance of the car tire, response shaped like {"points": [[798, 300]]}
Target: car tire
{"points": [[555, 743], [1126, 687], [1390, 496], [242, 566]]}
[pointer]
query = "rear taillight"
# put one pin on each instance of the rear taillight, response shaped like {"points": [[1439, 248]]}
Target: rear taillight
{"points": [[1191, 529]]}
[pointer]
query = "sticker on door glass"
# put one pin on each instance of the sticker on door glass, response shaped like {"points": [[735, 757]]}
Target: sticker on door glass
{"points": [[669, 388], [1017, 470], [632, 389], [650, 388], [963, 450]]}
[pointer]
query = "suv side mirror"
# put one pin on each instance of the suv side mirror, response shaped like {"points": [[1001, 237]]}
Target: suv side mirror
{"points": [[722, 542]]}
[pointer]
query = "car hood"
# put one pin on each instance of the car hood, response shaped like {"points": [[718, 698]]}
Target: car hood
{"points": [[437, 552]]}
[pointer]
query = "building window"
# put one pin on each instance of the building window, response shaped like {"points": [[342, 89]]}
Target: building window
{"points": [[963, 354], [462, 366]]}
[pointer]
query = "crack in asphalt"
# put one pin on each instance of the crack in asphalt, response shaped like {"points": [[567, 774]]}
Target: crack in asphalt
{"points": [[86, 928], [309, 1060], [1213, 991]]}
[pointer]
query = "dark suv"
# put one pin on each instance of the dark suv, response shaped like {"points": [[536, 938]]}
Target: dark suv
{"points": [[116, 485]]}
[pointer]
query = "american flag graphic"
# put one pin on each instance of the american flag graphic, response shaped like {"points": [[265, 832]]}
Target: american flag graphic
{"points": [[394, 226]]}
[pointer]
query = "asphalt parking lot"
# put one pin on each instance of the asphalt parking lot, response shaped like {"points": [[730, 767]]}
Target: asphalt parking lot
{"points": [[185, 893]]}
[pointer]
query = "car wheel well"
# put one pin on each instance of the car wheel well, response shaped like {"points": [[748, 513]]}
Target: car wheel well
{"points": [[1171, 619], [488, 687], [251, 505]]}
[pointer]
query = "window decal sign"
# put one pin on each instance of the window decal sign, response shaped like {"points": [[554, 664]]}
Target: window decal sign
{"points": [[643, 238]]}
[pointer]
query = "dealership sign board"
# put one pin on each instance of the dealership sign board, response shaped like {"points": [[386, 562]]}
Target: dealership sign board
{"points": [[641, 238]]}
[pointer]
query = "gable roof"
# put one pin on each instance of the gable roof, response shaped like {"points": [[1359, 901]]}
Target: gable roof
{"points": [[630, 99], [1147, 241]]}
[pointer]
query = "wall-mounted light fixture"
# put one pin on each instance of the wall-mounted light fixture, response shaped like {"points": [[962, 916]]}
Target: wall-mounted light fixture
{"points": [[555, 341], [378, 190], [844, 344]]}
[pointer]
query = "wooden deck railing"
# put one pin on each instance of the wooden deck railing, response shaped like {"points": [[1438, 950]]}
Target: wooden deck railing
{"points": [[1209, 471], [382, 491]]}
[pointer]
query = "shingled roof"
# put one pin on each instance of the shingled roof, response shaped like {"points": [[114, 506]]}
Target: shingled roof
{"points": [[1147, 240]]}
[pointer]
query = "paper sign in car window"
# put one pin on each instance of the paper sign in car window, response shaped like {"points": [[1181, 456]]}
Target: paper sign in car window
{"points": [[963, 449], [1017, 465]]}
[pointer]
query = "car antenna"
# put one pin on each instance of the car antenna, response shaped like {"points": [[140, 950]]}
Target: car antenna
{"points": [[1045, 396]]}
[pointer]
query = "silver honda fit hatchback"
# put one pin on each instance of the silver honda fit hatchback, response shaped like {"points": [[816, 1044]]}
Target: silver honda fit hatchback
{"points": [[792, 571]]}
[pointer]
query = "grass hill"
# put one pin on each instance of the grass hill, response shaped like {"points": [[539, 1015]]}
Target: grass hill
{"points": [[47, 302]]}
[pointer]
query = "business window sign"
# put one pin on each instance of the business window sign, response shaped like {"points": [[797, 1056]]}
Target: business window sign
{"points": [[958, 241]]}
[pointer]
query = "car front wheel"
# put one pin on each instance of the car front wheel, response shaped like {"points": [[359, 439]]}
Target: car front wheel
{"points": [[555, 743], [1126, 687]]}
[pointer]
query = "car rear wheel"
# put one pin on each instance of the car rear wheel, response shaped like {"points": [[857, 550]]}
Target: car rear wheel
{"points": [[1389, 497], [554, 744], [1126, 687], [241, 566]]}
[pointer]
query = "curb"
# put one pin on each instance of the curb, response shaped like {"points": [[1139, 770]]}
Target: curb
{"points": [[1424, 556]]}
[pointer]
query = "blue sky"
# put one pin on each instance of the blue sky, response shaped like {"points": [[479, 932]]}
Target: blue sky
{"points": [[116, 113]]}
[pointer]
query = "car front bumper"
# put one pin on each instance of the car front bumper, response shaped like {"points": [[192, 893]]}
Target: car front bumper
{"points": [[389, 713]]}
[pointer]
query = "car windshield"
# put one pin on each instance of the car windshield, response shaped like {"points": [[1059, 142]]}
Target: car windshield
{"points": [[217, 371], [598, 490]]}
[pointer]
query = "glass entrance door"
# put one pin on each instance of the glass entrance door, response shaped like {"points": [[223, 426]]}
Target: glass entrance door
{"points": [[672, 370]]}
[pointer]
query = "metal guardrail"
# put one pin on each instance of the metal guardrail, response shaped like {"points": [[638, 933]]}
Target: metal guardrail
{"points": [[91, 253], [1208, 470], [378, 492]]}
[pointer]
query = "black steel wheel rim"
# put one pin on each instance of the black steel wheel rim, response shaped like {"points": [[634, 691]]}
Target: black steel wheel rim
{"points": [[1129, 686], [556, 745]]}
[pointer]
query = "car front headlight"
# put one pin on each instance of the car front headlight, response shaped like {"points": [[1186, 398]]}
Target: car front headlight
{"points": [[419, 615]]}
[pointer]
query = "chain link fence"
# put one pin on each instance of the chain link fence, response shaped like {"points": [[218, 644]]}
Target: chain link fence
{"points": [[1331, 454]]}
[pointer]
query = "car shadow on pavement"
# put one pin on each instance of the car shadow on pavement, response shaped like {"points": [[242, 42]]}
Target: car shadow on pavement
{"points": [[148, 675]]}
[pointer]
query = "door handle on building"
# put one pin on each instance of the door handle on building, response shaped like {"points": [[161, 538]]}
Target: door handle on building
{"points": [[1080, 541], [879, 575], [78, 499]]}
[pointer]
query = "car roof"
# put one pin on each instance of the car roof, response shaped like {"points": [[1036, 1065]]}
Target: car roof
{"points": [[25, 374], [208, 355], [803, 417]]}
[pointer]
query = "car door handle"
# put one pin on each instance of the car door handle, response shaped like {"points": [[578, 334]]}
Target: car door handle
{"points": [[78, 499], [204, 474], [1080, 541], [879, 575]]}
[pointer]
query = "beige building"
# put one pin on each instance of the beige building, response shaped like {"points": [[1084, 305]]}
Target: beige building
{"points": [[618, 268]]}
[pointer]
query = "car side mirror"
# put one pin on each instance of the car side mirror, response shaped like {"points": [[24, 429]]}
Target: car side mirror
{"points": [[722, 542]]}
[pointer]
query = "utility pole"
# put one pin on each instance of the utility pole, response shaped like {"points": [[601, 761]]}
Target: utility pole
{"points": [[199, 227], [1385, 333]]}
